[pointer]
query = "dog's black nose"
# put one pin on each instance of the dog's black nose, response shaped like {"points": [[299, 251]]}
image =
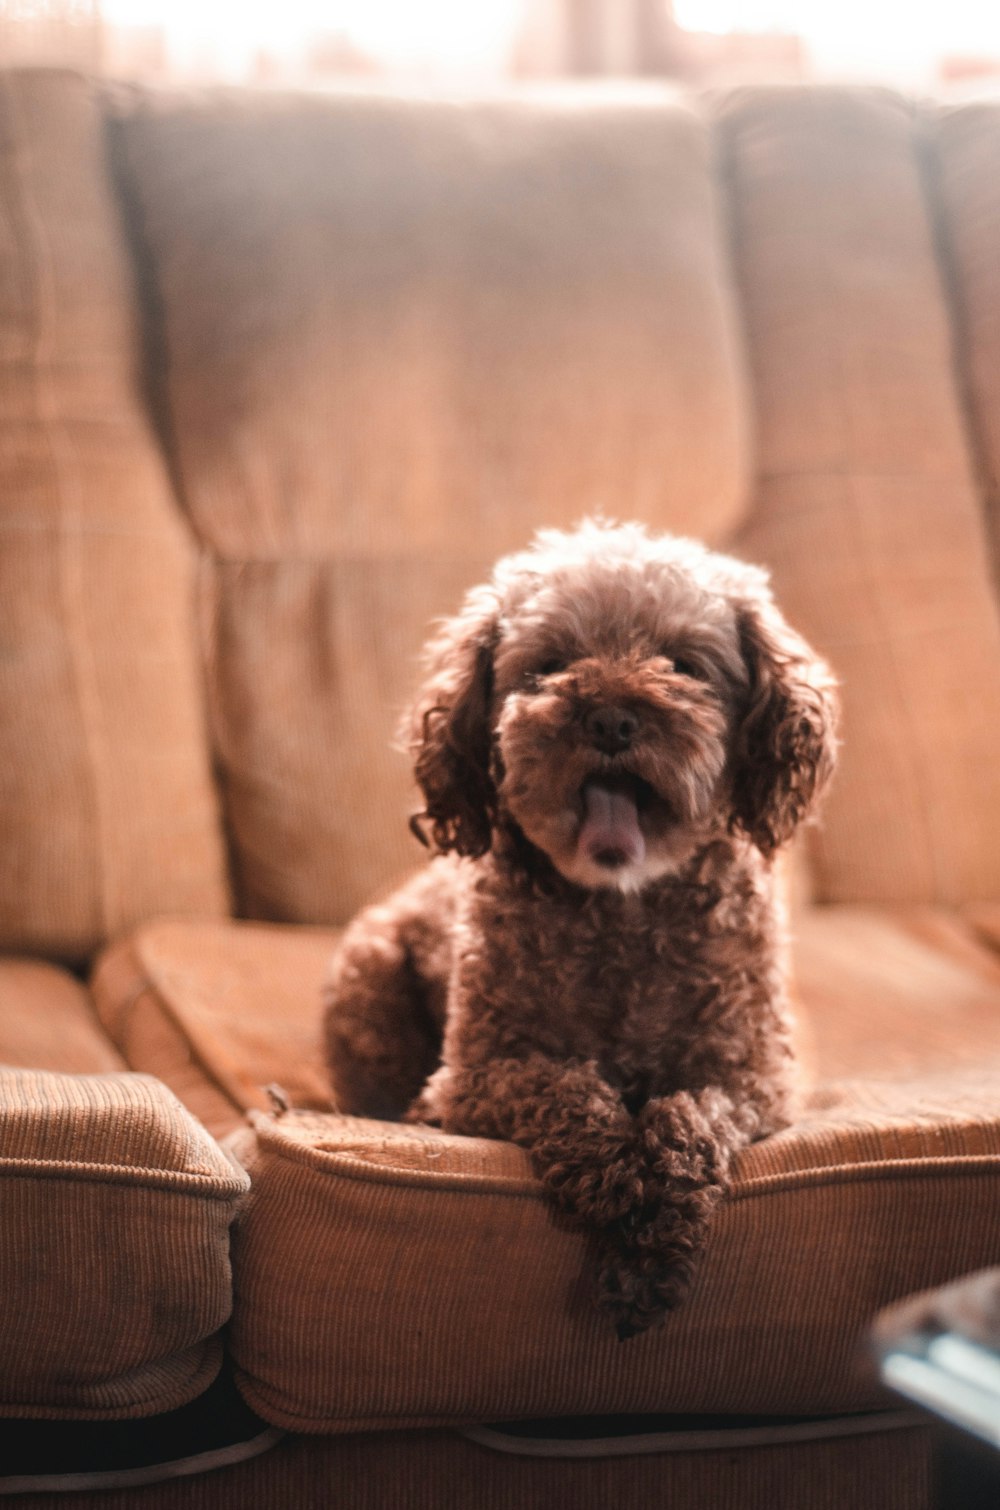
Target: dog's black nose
{"points": [[611, 729]]}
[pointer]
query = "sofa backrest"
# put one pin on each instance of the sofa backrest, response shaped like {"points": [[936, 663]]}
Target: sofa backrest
{"points": [[107, 807], [400, 336], [285, 375], [866, 500]]}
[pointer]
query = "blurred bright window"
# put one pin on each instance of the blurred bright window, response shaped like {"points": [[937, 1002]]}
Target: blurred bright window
{"points": [[953, 44]]}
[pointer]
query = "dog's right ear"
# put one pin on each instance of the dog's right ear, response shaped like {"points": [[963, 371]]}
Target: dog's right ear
{"points": [[450, 732]]}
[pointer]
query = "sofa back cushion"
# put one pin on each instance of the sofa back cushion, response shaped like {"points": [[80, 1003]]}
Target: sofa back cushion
{"points": [[867, 507], [963, 148], [390, 339], [399, 337], [107, 809]]}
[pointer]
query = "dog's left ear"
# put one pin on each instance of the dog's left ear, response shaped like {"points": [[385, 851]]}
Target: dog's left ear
{"points": [[450, 735], [785, 744]]}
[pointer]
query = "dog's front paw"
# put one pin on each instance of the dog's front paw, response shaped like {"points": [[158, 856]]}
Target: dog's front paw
{"points": [[650, 1254], [637, 1292], [600, 1187], [682, 1148]]}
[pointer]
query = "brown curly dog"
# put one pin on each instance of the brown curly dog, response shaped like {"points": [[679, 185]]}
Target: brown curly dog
{"points": [[616, 735]]}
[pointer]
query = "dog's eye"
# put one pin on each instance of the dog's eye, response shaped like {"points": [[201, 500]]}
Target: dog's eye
{"points": [[685, 667], [551, 668]]}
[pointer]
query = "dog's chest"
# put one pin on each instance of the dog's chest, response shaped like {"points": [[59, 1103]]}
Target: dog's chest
{"points": [[623, 980]]}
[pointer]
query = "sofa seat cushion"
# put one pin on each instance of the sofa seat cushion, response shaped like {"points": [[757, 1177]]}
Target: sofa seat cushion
{"points": [[393, 1276], [397, 1276], [221, 1010], [218, 1012], [897, 992], [115, 1208], [48, 1022]]}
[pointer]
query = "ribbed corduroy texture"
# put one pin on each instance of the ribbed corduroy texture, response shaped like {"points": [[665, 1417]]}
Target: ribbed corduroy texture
{"points": [[963, 144], [48, 1022], [902, 993], [400, 337], [114, 1246], [364, 1266], [107, 812], [218, 1011], [435, 1470], [386, 1277], [866, 507], [151, 1038]]}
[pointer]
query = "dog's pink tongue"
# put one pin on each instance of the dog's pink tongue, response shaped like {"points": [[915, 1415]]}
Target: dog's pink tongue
{"points": [[610, 834]]}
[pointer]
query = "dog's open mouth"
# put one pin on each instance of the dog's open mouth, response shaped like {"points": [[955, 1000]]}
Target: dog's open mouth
{"points": [[610, 831]]}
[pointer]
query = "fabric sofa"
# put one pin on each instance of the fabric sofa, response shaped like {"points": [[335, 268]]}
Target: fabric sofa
{"points": [[279, 378]]}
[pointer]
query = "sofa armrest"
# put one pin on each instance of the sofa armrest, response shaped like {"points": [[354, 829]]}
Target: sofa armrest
{"points": [[115, 1209]]}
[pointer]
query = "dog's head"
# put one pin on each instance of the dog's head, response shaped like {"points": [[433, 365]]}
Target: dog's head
{"points": [[620, 699]]}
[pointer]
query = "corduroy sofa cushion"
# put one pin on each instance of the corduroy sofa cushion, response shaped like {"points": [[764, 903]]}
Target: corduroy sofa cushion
{"points": [[867, 507], [392, 1276], [900, 992], [107, 809], [218, 1011], [962, 144], [400, 336], [115, 1209], [388, 1277], [48, 1022]]}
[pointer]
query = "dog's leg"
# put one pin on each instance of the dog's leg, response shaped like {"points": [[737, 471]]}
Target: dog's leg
{"points": [[382, 1036], [584, 1145], [648, 1258]]}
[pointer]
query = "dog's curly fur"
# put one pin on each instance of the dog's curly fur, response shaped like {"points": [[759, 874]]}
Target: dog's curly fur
{"points": [[616, 735]]}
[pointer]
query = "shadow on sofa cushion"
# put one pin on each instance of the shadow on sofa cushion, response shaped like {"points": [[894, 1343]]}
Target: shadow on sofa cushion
{"points": [[215, 1430]]}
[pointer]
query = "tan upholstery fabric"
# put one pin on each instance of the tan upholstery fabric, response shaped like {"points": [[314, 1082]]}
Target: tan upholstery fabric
{"points": [[114, 1246], [400, 336], [866, 508], [391, 1277], [439, 1470], [47, 1021], [963, 147], [358, 1232], [106, 807], [984, 917], [218, 1012], [904, 993]]}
